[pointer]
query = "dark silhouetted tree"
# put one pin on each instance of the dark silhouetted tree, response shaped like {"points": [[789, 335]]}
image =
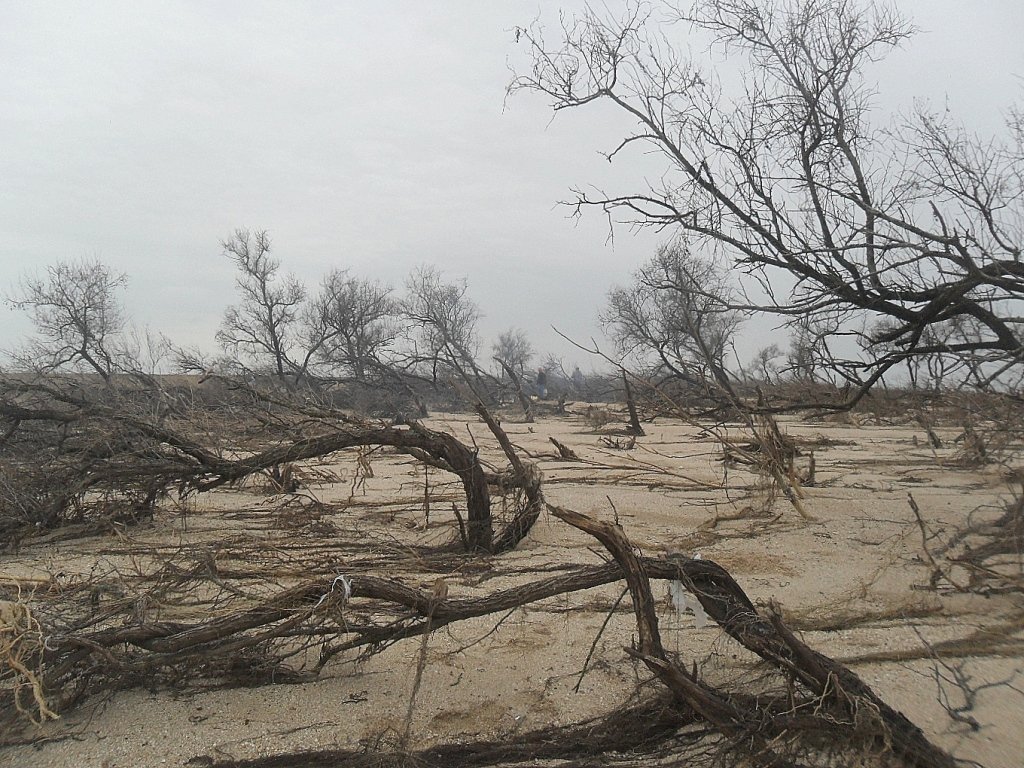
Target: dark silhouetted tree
{"points": [[885, 233]]}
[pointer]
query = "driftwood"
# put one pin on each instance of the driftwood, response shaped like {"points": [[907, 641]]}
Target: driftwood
{"points": [[127, 455], [809, 706], [840, 699], [631, 736], [525, 476], [817, 699], [564, 451], [619, 444], [459, 458], [985, 557]]}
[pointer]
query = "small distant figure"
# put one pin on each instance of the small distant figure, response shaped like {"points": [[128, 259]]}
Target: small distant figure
{"points": [[542, 383], [577, 379]]}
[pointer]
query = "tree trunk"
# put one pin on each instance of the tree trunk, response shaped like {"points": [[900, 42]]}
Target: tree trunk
{"points": [[524, 400], [634, 418]]}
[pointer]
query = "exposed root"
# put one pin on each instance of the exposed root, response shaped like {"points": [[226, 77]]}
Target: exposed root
{"points": [[21, 671]]}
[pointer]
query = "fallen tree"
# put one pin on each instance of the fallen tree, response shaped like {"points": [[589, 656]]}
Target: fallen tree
{"points": [[68, 450], [810, 710]]}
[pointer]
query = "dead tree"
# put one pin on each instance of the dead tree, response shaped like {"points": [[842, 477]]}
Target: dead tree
{"points": [[675, 314], [635, 428], [449, 452], [882, 235], [78, 318], [517, 384], [66, 444], [442, 336], [360, 321], [836, 692], [806, 709], [264, 324]]}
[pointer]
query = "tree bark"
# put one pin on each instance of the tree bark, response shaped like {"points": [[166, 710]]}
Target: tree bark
{"points": [[634, 418]]}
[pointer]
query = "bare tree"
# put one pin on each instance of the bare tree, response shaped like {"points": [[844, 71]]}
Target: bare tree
{"points": [[512, 353], [78, 318], [355, 318], [264, 324], [676, 311], [808, 360], [442, 321], [764, 365], [513, 350], [150, 351], [917, 227], [277, 326]]}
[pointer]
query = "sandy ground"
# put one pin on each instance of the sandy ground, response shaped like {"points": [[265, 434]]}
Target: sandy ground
{"points": [[857, 569]]}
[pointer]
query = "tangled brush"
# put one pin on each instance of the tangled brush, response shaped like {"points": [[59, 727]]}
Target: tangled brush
{"points": [[21, 646]]}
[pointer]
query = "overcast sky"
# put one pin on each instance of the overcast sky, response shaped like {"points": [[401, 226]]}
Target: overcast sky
{"points": [[369, 136]]}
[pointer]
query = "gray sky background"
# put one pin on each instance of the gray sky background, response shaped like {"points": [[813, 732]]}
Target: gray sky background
{"points": [[374, 137]]}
